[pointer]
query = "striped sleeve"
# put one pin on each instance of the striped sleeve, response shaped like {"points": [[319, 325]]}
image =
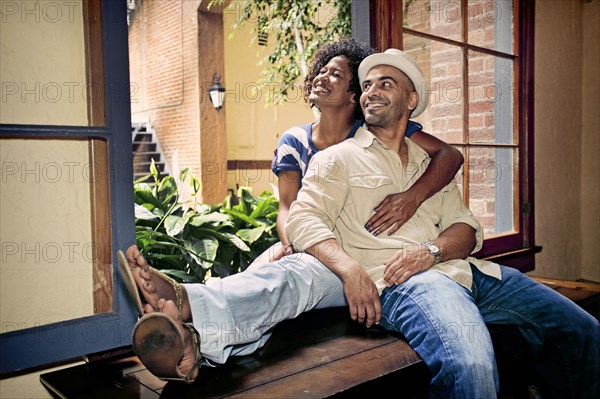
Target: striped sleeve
{"points": [[292, 151]]}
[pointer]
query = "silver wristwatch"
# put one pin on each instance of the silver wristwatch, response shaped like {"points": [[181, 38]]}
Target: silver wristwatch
{"points": [[434, 250]]}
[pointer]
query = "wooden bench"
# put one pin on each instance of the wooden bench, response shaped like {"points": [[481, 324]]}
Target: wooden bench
{"points": [[320, 354]]}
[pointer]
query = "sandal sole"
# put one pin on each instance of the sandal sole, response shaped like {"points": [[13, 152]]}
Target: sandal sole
{"points": [[129, 282], [159, 345]]}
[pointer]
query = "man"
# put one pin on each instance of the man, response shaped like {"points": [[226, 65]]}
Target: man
{"points": [[421, 281], [418, 281]]}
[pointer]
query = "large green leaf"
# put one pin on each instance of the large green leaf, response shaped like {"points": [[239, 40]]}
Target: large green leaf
{"points": [[175, 224], [145, 196], [236, 214], [251, 235], [237, 242], [203, 251], [262, 208], [143, 213], [199, 220], [222, 236], [181, 276], [167, 190]]}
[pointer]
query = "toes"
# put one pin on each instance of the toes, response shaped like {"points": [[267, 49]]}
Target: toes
{"points": [[169, 308], [149, 288], [135, 258], [148, 308], [132, 253]]}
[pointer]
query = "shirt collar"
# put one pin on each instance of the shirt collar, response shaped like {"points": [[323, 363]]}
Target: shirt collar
{"points": [[365, 139]]}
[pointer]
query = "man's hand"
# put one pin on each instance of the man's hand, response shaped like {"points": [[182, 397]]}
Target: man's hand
{"points": [[362, 297], [405, 263], [285, 250], [359, 289], [392, 213]]}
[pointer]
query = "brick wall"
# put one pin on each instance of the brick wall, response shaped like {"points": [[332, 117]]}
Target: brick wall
{"points": [[442, 65], [163, 43]]}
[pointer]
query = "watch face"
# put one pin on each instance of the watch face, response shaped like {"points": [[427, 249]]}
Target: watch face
{"points": [[432, 247]]}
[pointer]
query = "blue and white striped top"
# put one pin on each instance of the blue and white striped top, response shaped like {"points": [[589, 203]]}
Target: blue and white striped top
{"points": [[296, 148]]}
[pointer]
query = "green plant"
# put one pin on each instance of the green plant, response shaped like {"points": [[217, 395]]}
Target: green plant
{"points": [[298, 28], [191, 241]]}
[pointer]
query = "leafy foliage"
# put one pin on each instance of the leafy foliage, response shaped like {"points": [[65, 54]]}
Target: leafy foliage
{"points": [[298, 29], [191, 241]]}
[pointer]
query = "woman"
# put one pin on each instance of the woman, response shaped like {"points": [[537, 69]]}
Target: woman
{"points": [[333, 88], [180, 312]]}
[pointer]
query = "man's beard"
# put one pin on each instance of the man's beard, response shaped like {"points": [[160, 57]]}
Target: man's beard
{"points": [[375, 120]]}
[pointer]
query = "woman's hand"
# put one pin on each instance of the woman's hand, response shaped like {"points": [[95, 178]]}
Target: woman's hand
{"points": [[392, 213]]}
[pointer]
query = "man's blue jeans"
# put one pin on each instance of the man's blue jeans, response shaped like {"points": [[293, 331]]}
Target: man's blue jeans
{"points": [[445, 325]]}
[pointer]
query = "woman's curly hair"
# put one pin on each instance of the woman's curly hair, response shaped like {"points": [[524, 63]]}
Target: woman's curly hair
{"points": [[354, 51]]}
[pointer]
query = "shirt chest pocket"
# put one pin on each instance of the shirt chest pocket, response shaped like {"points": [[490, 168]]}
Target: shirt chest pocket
{"points": [[367, 191]]}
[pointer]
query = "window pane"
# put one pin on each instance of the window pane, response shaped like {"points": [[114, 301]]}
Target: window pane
{"points": [[43, 69], [491, 24], [441, 18], [48, 227], [441, 64], [490, 99], [492, 176]]}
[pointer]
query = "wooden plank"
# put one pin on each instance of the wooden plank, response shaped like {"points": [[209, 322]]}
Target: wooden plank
{"points": [[101, 227], [335, 377], [258, 373], [317, 371], [319, 354], [94, 60], [594, 287]]}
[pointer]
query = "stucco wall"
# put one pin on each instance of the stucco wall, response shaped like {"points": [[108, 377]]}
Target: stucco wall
{"points": [[590, 144], [44, 191], [42, 63], [253, 128], [566, 157]]}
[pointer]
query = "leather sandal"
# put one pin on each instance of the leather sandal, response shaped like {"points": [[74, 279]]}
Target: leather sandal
{"points": [[160, 345], [134, 292]]}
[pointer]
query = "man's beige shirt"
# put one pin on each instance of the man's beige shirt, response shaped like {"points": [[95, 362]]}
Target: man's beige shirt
{"points": [[343, 185]]}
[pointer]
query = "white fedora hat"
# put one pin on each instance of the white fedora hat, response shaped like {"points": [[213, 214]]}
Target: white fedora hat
{"points": [[404, 62]]}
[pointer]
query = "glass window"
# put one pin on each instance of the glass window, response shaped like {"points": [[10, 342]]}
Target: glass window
{"points": [[46, 208], [62, 208], [46, 77], [467, 54]]}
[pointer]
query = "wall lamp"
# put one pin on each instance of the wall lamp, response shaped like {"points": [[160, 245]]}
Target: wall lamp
{"points": [[217, 92]]}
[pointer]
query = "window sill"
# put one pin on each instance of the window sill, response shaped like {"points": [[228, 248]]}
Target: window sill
{"points": [[522, 259]]}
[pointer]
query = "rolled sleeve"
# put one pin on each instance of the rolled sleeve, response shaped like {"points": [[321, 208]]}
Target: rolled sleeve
{"points": [[313, 214], [455, 211]]}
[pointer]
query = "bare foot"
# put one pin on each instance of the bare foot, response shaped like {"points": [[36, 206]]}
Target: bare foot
{"points": [[189, 356], [153, 287]]}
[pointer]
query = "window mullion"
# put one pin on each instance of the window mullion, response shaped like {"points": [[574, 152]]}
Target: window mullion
{"points": [[465, 77]]}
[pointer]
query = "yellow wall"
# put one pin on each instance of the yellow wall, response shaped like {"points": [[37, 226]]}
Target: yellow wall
{"points": [[253, 128], [566, 145], [42, 63], [46, 232], [46, 269], [590, 144], [46, 265]]}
